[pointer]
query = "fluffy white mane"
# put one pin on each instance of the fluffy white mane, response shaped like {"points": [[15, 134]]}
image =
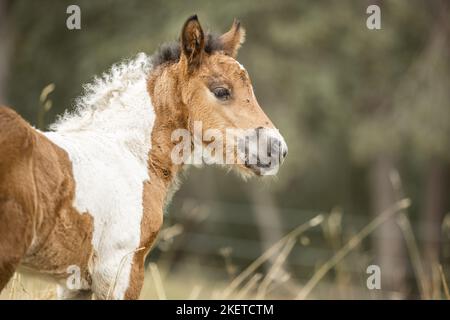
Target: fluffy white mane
{"points": [[108, 100]]}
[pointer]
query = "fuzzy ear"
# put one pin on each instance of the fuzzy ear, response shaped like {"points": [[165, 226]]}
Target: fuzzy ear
{"points": [[233, 39], [192, 42]]}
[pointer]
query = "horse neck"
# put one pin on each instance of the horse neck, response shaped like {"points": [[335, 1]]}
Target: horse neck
{"points": [[128, 115], [170, 115]]}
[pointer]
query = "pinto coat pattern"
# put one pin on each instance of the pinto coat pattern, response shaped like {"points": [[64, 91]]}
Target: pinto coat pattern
{"points": [[39, 226], [90, 194]]}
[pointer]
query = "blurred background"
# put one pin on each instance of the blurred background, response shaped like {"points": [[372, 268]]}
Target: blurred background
{"points": [[365, 113]]}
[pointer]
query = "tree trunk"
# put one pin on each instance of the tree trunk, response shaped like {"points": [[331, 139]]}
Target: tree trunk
{"points": [[267, 216], [431, 221], [389, 245], [5, 48]]}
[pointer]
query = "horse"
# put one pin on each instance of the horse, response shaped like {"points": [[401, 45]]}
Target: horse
{"points": [[83, 203]]}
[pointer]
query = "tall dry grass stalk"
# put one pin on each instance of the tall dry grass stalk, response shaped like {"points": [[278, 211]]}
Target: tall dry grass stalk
{"points": [[414, 253], [14, 283], [276, 268], [229, 266], [154, 271], [45, 104], [333, 233], [350, 245], [317, 220], [249, 286], [195, 293], [112, 287], [444, 283]]}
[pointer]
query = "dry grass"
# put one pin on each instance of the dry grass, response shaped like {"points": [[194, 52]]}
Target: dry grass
{"points": [[252, 282]]}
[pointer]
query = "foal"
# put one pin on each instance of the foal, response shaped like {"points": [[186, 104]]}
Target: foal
{"points": [[84, 202]]}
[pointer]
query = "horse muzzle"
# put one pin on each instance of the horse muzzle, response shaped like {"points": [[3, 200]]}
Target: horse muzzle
{"points": [[265, 151]]}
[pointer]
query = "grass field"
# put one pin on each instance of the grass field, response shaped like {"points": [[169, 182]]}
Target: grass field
{"points": [[268, 276]]}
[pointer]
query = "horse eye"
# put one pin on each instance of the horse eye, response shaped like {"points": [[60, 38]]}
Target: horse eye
{"points": [[221, 93]]}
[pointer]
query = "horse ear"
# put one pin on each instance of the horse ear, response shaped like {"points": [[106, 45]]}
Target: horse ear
{"points": [[192, 42], [233, 39]]}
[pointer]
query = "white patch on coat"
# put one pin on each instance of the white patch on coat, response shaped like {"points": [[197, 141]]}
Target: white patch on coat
{"points": [[108, 139]]}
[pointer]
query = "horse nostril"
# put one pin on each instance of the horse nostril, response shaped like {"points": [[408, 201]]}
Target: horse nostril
{"points": [[285, 151]]}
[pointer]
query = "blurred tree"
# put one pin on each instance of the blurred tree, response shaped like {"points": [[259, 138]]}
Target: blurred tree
{"points": [[424, 113], [6, 36]]}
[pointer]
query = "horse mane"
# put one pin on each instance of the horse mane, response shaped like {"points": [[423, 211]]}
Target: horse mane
{"points": [[103, 91], [107, 89], [170, 52]]}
